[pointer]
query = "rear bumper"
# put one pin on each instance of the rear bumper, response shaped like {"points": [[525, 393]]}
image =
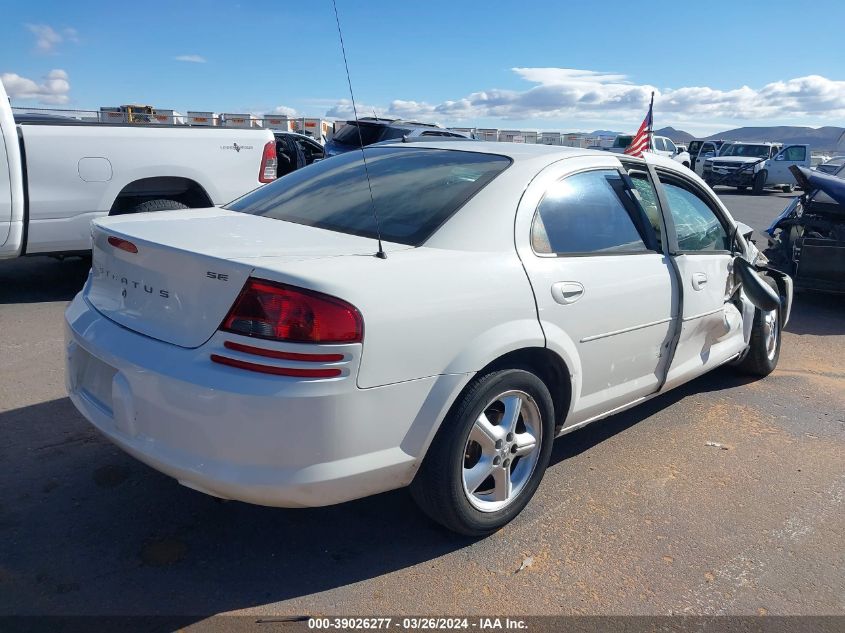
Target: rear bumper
{"points": [[235, 434]]}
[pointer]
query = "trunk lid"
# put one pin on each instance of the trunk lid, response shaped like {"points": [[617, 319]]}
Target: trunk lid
{"points": [[176, 279]]}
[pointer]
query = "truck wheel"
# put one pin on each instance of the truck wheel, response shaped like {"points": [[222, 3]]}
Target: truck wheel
{"points": [[764, 347], [788, 188], [759, 183], [158, 205], [489, 456]]}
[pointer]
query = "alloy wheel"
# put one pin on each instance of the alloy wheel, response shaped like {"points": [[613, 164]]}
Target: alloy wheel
{"points": [[502, 451]]}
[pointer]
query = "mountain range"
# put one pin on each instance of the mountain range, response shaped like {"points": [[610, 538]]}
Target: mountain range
{"points": [[827, 138]]}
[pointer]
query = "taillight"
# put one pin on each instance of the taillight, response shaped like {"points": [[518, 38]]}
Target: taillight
{"points": [[269, 162], [124, 245], [270, 310]]}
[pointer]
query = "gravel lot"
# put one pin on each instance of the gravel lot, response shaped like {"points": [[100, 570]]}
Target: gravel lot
{"points": [[636, 515]]}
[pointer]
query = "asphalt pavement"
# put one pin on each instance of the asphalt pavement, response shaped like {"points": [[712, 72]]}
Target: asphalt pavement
{"points": [[638, 514]]}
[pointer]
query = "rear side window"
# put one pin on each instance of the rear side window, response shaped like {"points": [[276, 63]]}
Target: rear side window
{"points": [[415, 190], [589, 212]]}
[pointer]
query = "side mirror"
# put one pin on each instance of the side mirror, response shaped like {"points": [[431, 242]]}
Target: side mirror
{"points": [[761, 294], [780, 157]]}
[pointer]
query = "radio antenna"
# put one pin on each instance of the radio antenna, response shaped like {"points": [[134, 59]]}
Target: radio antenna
{"points": [[380, 254]]}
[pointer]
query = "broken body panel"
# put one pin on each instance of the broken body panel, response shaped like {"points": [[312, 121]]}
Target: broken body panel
{"points": [[807, 240]]}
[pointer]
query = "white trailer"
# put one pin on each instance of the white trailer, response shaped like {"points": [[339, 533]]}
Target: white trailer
{"points": [[167, 117], [487, 134], [278, 122], [240, 120], [511, 136], [202, 118], [529, 136], [550, 138], [574, 140]]}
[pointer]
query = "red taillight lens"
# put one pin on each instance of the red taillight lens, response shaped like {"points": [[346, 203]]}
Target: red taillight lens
{"points": [[275, 311], [269, 162], [124, 245]]}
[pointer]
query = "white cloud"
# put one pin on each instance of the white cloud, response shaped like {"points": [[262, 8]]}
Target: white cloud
{"points": [[343, 110], [193, 59], [573, 94], [53, 90], [47, 38], [285, 110]]}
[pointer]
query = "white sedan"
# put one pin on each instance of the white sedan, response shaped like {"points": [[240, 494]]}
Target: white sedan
{"points": [[264, 352]]}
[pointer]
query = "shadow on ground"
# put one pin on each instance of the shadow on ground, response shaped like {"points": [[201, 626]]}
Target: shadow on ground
{"points": [[817, 313], [38, 279]]}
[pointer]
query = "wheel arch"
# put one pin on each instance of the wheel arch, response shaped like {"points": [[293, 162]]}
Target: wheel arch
{"points": [[185, 190], [546, 364], [543, 362], [548, 367]]}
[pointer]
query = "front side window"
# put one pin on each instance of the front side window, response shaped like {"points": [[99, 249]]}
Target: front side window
{"points": [[670, 146], [414, 190], [658, 144], [696, 224], [796, 152], [590, 212]]}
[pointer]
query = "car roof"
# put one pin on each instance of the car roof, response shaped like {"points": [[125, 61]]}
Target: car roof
{"points": [[525, 153], [514, 151]]}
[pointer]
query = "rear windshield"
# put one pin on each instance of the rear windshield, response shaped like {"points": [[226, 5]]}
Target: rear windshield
{"points": [[348, 134], [622, 141], [415, 190]]}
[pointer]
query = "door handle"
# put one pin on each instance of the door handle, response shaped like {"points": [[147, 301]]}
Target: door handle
{"points": [[699, 280], [566, 292]]}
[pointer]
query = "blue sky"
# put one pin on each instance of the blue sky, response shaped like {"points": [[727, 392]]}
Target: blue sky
{"points": [[541, 65]]}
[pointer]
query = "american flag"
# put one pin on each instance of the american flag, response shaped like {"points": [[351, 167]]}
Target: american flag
{"points": [[640, 142]]}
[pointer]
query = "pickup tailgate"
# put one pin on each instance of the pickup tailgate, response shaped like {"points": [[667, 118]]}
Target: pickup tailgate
{"points": [[172, 275]]}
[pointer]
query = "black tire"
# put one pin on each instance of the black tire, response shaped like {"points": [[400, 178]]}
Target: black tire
{"points": [[158, 205], [759, 183], [742, 188], [759, 360], [438, 487], [788, 188]]}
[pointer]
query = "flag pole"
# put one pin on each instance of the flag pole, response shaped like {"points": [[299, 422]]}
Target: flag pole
{"points": [[651, 119]]}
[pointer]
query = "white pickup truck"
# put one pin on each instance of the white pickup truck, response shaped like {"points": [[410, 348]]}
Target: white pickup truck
{"points": [[660, 145], [57, 175], [756, 165]]}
